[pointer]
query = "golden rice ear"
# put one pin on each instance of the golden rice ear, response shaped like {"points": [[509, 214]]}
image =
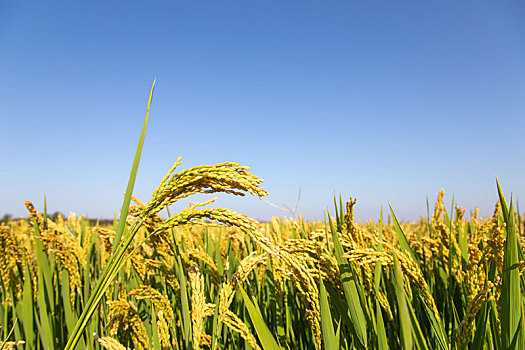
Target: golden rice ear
{"points": [[235, 324], [228, 178], [111, 343], [160, 303], [198, 305], [124, 318]]}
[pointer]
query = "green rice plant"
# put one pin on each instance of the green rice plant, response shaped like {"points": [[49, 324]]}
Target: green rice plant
{"points": [[227, 177], [116, 259], [452, 300], [350, 284]]}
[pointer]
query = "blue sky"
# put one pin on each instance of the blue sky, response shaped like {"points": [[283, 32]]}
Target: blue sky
{"points": [[388, 102]]}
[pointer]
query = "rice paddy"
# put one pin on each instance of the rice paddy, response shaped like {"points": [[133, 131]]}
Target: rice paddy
{"points": [[211, 278]]}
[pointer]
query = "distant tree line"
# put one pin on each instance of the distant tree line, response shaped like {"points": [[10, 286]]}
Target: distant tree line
{"points": [[54, 217]]}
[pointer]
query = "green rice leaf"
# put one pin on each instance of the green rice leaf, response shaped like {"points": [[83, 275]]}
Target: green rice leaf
{"points": [[115, 262], [511, 291], [155, 331], [186, 318], [350, 289], [420, 337], [382, 342], [403, 242], [27, 315], [132, 176], [46, 331], [403, 313], [266, 338], [329, 339]]}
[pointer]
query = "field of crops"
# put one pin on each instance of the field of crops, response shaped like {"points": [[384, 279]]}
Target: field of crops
{"points": [[228, 282], [210, 278]]}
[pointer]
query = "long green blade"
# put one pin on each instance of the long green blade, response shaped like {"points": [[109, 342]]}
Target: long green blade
{"points": [[382, 342], [27, 316], [511, 292], [132, 175], [113, 265], [4, 342], [403, 242], [266, 338], [403, 313], [186, 318], [329, 339], [350, 289]]}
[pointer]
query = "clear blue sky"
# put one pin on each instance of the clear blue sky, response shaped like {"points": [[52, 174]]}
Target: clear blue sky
{"points": [[386, 101]]}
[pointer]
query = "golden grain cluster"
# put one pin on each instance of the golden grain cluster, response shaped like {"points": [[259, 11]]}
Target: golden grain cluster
{"points": [[179, 289]]}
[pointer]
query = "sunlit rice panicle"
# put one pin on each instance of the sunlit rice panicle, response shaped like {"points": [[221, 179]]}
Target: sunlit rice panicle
{"points": [[209, 310], [106, 236], [444, 246], [439, 208], [460, 214], [465, 330], [111, 343], [196, 254], [11, 345], [474, 274], [237, 325], [304, 280], [226, 294], [367, 256], [349, 228], [227, 291], [162, 309], [496, 244], [164, 327], [449, 249], [224, 177], [233, 240], [430, 248], [135, 212], [312, 253], [274, 231], [413, 272], [246, 266], [12, 255], [224, 216], [279, 272], [495, 251], [68, 251], [159, 301], [35, 216], [145, 267], [308, 289], [198, 304], [123, 317], [410, 269]]}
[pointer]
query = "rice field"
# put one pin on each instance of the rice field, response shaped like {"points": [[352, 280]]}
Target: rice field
{"points": [[211, 278]]}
